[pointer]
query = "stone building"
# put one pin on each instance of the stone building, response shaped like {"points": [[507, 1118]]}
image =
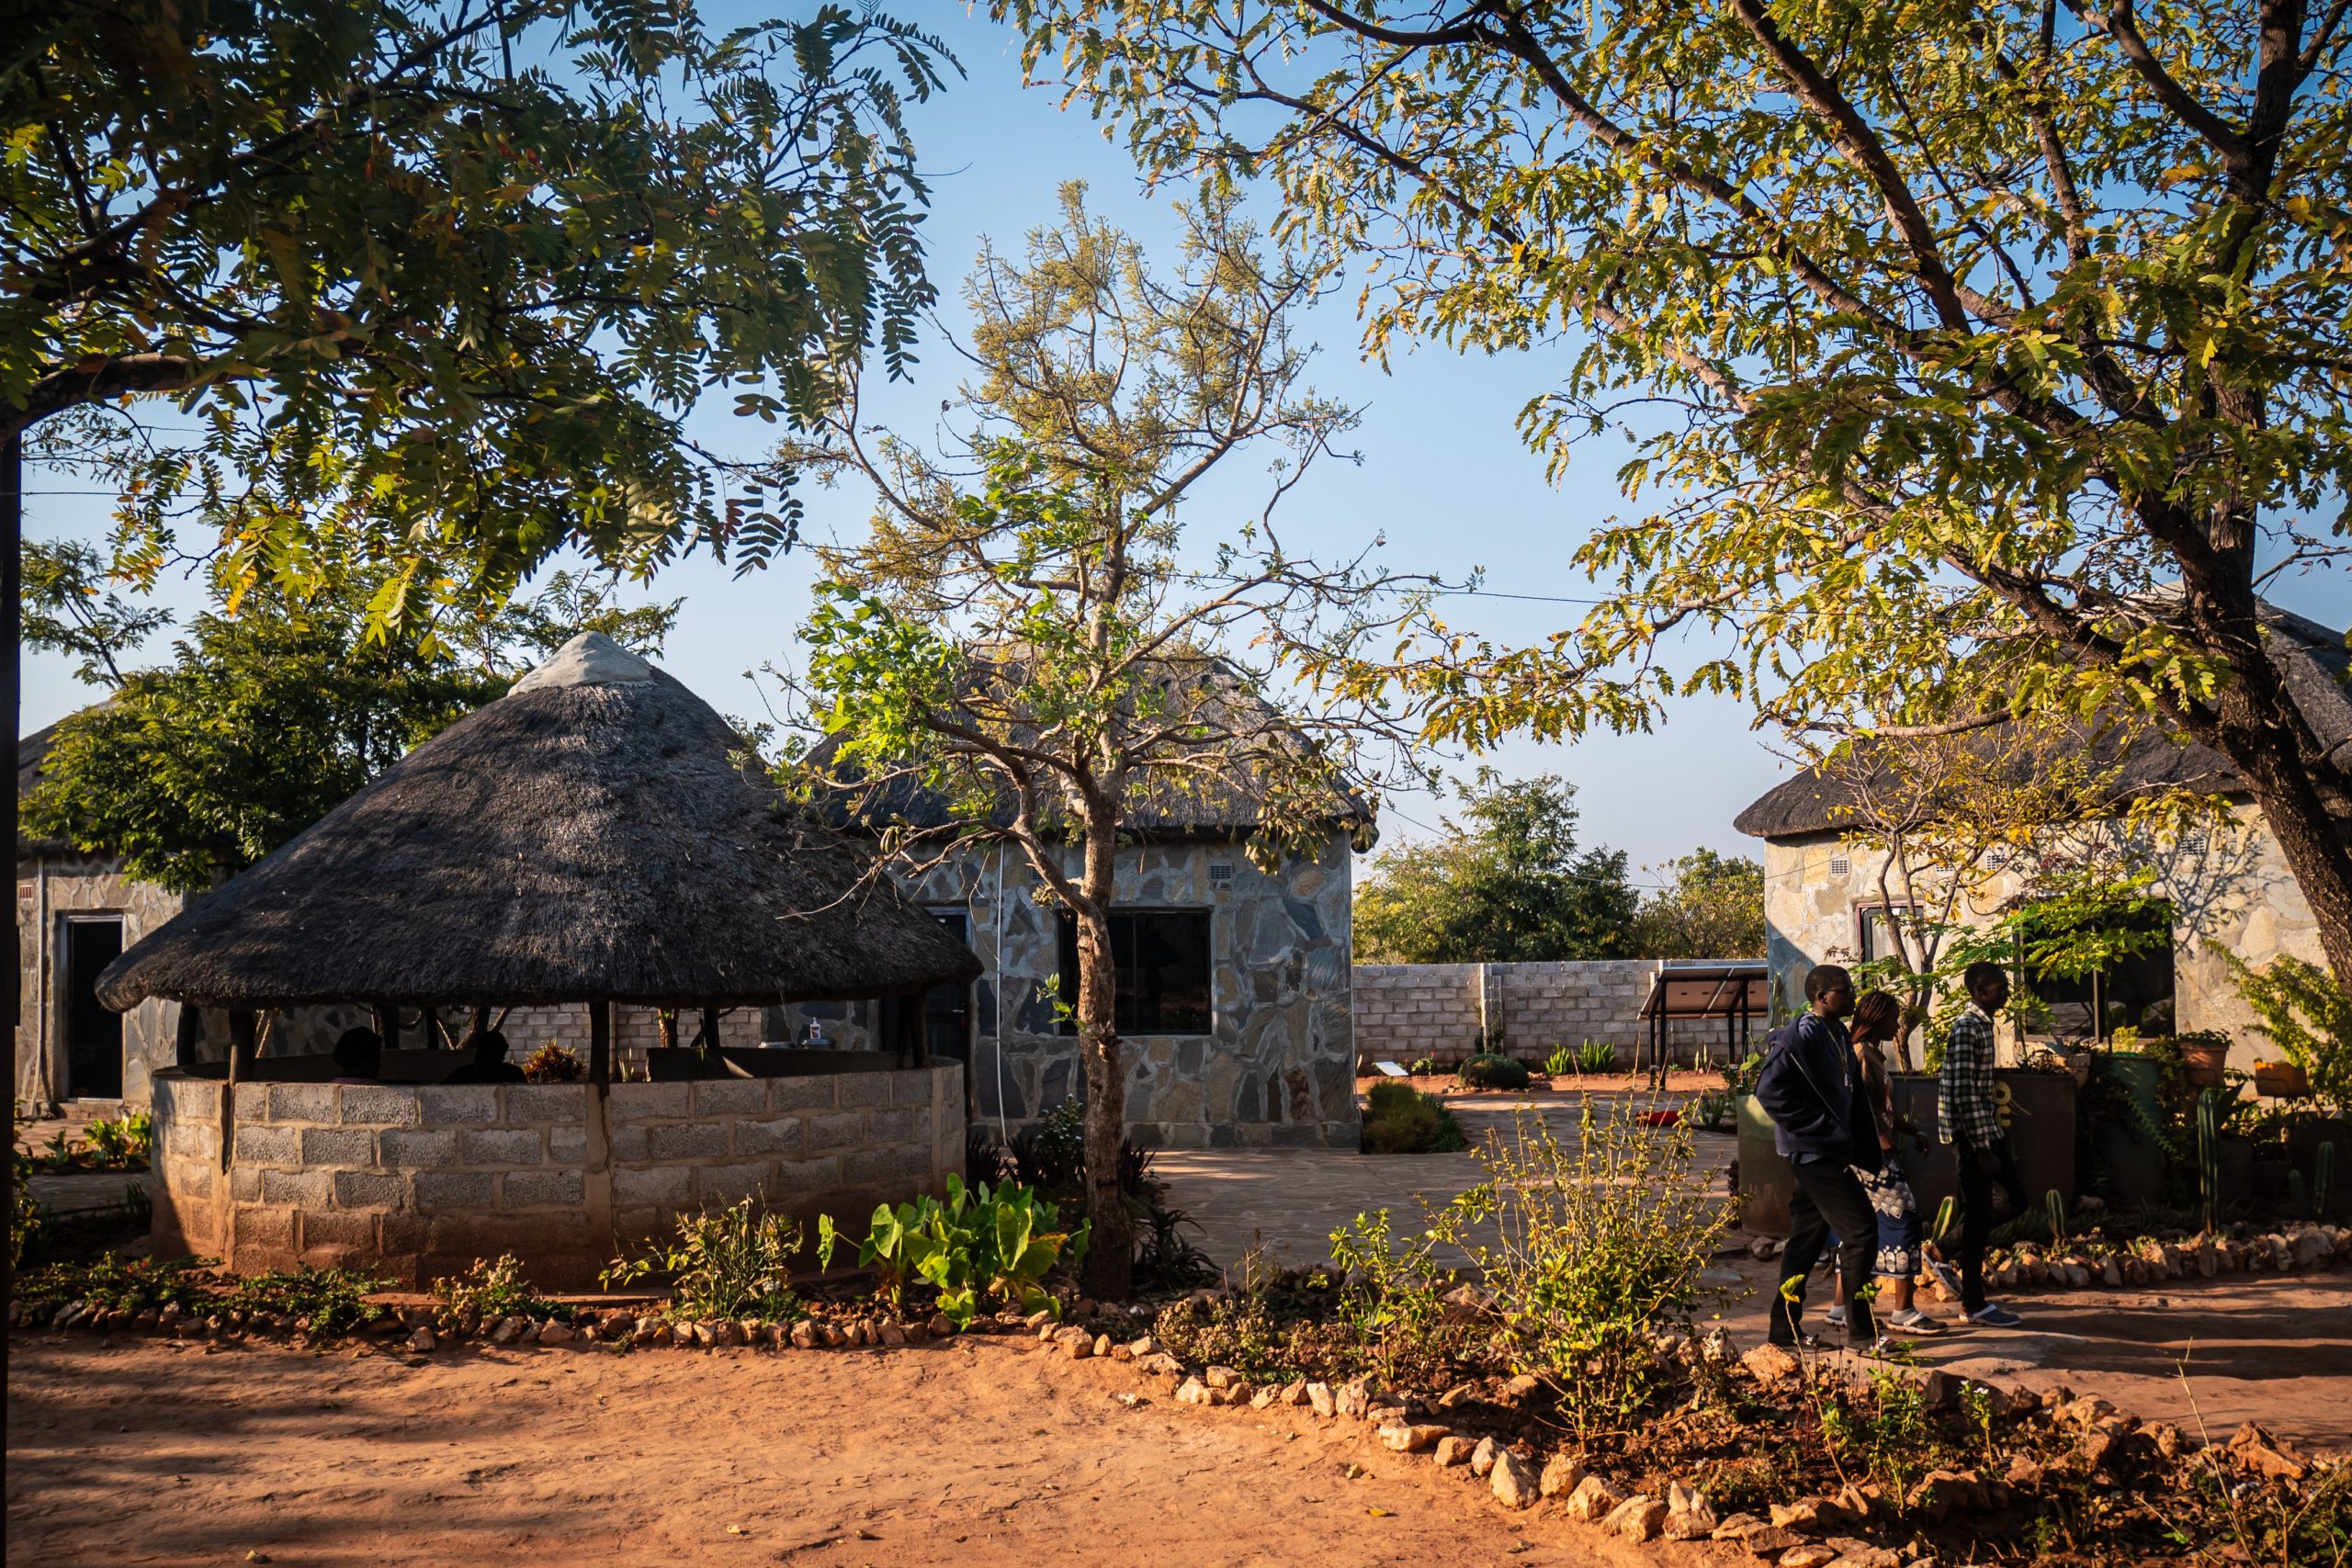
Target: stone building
{"points": [[75, 913], [2230, 890], [1234, 992]]}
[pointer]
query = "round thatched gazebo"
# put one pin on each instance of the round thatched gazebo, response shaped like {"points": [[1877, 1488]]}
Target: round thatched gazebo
{"points": [[592, 837]]}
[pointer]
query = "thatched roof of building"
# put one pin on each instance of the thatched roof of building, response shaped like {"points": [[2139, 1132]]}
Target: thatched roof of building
{"points": [[2312, 661], [591, 836]]}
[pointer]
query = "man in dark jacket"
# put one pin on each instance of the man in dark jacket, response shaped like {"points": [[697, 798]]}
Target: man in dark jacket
{"points": [[1823, 1127]]}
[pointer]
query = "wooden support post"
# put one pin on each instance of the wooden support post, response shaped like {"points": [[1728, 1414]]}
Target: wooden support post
{"points": [[668, 1019], [241, 1064], [387, 1024], [600, 1045], [710, 1031]]}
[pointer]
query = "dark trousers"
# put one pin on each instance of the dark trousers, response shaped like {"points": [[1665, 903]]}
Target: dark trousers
{"points": [[1976, 1211], [1827, 1197]]}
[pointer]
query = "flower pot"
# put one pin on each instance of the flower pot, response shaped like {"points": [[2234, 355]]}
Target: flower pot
{"points": [[2282, 1080], [2205, 1059]]}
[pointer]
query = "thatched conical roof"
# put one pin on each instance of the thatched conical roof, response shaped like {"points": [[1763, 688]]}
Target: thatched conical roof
{"points": [[590, 836]]}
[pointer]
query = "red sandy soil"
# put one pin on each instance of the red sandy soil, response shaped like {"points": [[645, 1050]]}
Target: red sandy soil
{"points": [[969, 1453]]}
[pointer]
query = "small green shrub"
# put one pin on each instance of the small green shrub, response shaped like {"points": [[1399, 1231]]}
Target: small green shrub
{"points": [[1401, 1120], [1237, 1332], [132, 1284], [736, 1263], [1391, 1308], [1423, 1068], [552, 1063], [982, 1244], [1560, 1062], [1585, 1275], [1488, 1071], [121, 1144], [325, 1300], [492, 1291], [1595, 1057], [27, 1221]]}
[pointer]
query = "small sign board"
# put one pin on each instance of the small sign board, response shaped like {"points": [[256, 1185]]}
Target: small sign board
{"points": [[1390, 1070]]}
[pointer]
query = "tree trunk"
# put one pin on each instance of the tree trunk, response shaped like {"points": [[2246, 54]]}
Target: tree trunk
{"points": [[1110, 1251], [2310, 840]]}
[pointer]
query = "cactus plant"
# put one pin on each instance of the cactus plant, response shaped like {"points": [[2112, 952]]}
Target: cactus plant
{"points": [[2057, 1207], [2298, 1194], [1946, 1212], [2209, 1156]]}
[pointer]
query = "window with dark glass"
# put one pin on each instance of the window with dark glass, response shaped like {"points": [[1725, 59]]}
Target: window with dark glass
{"points": [[1161, 958], [944, 1019], [2132, 992]]}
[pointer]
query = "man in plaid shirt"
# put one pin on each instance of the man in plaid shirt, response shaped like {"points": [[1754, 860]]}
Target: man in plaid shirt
{"points": [[1966, 1115]]}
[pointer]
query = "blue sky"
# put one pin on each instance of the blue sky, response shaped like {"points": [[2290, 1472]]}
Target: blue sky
{"points": [[1444, 477]]}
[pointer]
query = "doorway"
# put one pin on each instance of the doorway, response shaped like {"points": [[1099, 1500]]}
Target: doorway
{"points": [[93, 1030]]}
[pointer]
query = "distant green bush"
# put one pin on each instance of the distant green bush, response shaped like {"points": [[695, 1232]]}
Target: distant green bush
{"points": [[1401, 1120], [1486, 1071]]}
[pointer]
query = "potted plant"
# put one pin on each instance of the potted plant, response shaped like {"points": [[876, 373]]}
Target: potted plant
{"points": [[2207, 1054], [2281, 1080]]}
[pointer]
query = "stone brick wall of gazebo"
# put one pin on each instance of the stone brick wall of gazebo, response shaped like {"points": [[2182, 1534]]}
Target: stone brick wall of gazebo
{"points": [[414, 1183]]}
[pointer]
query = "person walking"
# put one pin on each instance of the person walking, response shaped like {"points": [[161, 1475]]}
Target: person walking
{"points": [[1822, 1126], [1969, 1120], [1877, 1017]]}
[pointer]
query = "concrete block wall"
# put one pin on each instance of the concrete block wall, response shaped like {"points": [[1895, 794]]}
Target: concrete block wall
{"points": [[1406, 1012], [415, 1182]]}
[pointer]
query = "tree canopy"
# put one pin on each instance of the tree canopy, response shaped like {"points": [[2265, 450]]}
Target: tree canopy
{"points": [[445, 274], [1050, 630], [1712, 908], [1505, 885], [1978, 327], [265, 719]]}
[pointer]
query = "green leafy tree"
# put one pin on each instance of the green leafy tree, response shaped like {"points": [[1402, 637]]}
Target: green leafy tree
{"points": [[1713, 908], [1507, 885], [264, 721], [71, 608], [445, 274], [1977, 326], [1038, 634], [269, 717]]}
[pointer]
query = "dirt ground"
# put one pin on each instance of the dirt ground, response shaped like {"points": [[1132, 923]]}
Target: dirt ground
{"points": [[972, 1452]]}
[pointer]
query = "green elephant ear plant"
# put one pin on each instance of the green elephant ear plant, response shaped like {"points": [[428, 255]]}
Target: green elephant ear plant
{"points": [[980, 1245]]}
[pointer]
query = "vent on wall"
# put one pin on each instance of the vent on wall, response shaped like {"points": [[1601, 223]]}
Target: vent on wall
{"points": [[1840, 865], [1220, 874]]}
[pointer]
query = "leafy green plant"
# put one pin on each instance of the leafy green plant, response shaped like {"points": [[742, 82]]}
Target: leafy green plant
{"points": [[734, 1263], [325, 1300], [492, 1291], [1391, 1308], [552, 1063], [1423, 1068], [122, 1144], [1400, 1120], [981, 1245], [1165, 1259], [28, 1220], [2309, 1016], [1583, 1273], [1739, 1078], [1713, 1109], [126, 1284], [1595, 1057], [1560, 1062], [1231, 1331], [1488, 1070]]}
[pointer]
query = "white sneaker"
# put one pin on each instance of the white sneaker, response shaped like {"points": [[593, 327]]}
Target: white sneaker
{"points": [[1911, 1320], [1835, 1318]]}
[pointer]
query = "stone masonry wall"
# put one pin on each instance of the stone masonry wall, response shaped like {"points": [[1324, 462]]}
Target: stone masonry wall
{"points": [[1277, 1067], [1406, 1012], [417, 1182], [51, 889]]}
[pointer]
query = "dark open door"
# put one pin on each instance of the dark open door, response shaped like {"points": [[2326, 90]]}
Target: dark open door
{"points": [[93, 1032]]}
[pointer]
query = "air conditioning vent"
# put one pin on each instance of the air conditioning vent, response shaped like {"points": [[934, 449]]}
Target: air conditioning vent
{"points": [[1840, 865], [1220, 875]]}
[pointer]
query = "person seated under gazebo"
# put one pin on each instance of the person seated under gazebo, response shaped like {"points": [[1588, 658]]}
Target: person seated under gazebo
{"points": [[490, 1063], [358, 1058]]}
